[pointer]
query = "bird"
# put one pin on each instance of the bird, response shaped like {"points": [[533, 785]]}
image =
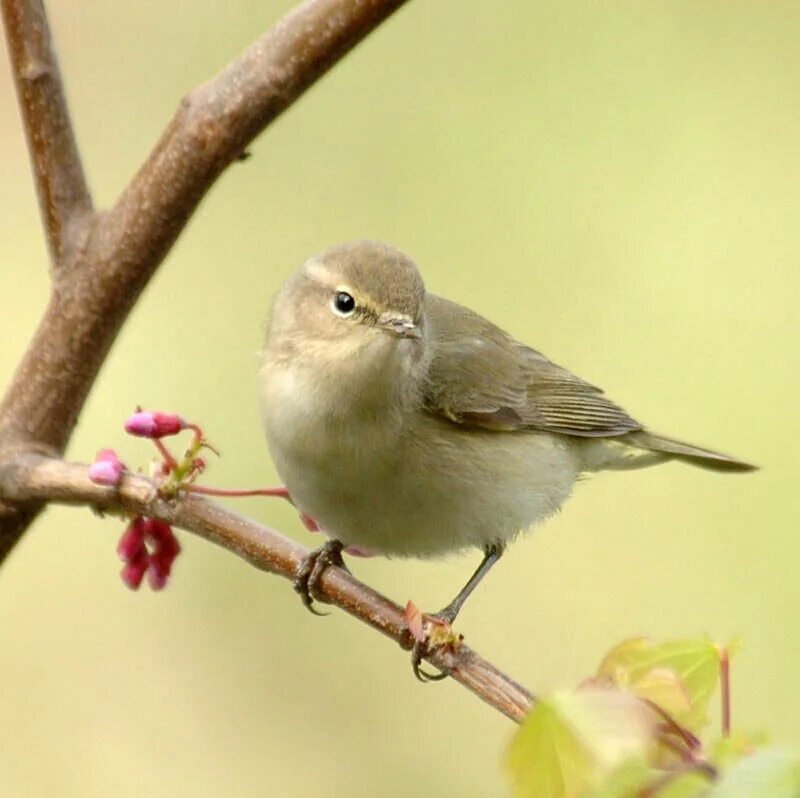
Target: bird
{"points": [[406, 424]]}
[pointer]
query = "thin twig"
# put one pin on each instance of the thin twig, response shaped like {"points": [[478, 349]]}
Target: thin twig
{"points": [[38, 478], [63, 193]]}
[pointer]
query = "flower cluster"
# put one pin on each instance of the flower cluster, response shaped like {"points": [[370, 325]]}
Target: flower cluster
{"points": [[148, 547]]}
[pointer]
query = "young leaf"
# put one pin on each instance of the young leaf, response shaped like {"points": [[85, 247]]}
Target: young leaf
{"points": [[664, 687], [638, 665], [571, 742]]}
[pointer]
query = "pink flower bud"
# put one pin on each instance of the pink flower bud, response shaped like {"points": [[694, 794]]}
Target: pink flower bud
{"points": [[107, 468], [154, 424]]}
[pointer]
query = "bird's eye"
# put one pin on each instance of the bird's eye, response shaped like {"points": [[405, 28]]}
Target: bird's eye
{"points": [[343, 303]]}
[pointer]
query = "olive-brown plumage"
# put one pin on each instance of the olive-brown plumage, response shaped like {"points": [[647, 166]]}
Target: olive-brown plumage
{"points": [[407, 424]]}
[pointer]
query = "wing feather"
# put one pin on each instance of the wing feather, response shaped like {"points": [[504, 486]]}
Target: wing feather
{"points": [[481, 376]]}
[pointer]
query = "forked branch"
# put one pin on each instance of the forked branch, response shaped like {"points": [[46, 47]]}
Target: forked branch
{"points": [[102, 261]]}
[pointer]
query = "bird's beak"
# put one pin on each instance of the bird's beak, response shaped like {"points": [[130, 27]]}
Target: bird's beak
{"points": [[402, 326]]}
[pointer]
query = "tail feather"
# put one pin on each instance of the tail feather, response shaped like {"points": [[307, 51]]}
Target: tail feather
{"points": [[696, 455]]}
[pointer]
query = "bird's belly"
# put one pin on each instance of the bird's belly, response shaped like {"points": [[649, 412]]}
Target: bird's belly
{"points": [[461, 488], [425, 491]]}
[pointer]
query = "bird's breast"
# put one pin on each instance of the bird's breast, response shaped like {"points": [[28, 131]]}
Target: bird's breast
{"points": [[327, 452]]}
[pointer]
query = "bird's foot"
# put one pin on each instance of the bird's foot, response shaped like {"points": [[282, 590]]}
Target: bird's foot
{"points": [[430, 631], [314, 565]]}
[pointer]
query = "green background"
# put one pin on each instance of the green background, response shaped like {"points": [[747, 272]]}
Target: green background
{"points": [[617, 184]]}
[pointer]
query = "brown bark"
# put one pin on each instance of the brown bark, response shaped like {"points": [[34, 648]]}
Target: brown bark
{"points": [[103, 260]]}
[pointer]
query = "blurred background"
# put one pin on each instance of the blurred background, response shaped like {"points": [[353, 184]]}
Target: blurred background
{"points": [[617, 184]]}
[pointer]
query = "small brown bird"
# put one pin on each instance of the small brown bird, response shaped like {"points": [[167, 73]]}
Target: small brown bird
{"points": [[406, 424]]}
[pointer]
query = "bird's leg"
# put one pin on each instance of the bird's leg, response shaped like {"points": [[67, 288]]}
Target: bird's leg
{"points": [[312, 568], [445, 617], [491, 554]]}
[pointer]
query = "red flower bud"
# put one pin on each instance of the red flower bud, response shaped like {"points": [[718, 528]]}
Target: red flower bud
{"points": [[134, 571], [154, 424], [163, 538], [148, 546], [156, 578], [131, 544]]}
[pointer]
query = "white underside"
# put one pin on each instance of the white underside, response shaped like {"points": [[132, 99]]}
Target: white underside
{"points": [[418, 487]]}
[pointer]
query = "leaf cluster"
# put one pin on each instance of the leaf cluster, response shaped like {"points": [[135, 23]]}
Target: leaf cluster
{"points": [[639, 728]]}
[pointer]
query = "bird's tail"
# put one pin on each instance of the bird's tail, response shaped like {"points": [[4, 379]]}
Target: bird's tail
{"points": [[695, 455]]}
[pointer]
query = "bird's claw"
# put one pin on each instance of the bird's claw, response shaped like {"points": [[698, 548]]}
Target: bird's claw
{"points": [[429, 632], [419, 649], [311, 570]]}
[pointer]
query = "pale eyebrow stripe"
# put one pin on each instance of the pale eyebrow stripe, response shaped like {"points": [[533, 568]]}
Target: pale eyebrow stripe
{"points": [[319, 271], [317, 268]]}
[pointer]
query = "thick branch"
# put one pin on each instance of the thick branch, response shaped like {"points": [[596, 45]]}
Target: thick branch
{"points": [[120, 250], [63, 194], [114, 254], [34, 478]]}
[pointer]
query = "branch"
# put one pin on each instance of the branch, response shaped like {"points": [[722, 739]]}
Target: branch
{"points": [[102, 262], [105, 260], [35, 478], [63, 194]]}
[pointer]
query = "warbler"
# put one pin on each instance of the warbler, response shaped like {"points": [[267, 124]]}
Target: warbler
{"points": [[406, 424]]}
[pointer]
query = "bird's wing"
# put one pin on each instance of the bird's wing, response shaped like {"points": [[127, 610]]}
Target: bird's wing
{"points": [[481, 376]]}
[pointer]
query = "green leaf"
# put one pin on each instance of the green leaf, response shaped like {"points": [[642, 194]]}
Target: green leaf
{"points": [[770, 773], [571, 742], [664, 687], [638, 665]]}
